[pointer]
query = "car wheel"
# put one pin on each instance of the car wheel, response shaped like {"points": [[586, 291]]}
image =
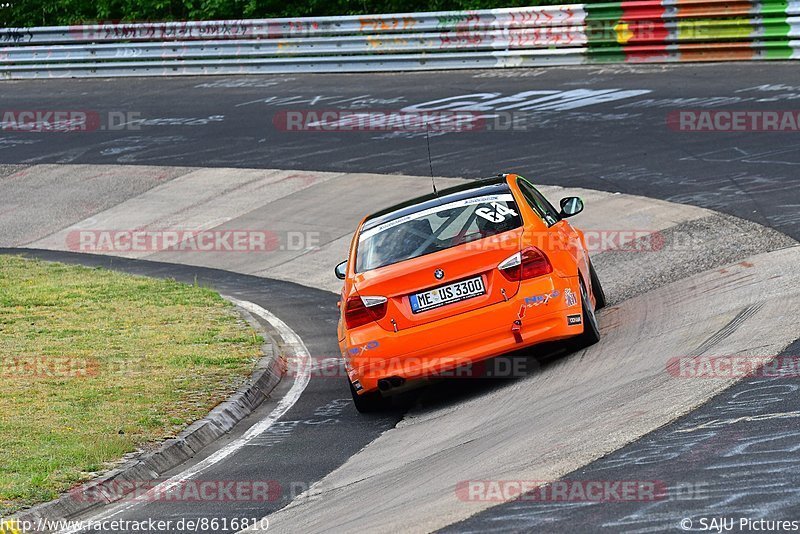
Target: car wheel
{"points": [[591, 329], [368, 402], [597, 289]]}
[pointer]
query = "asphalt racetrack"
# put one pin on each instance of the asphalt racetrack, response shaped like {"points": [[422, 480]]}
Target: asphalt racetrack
{"points": [[611, 129], [616, 139]]}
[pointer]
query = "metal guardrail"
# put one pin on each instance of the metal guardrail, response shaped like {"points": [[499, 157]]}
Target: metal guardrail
{"points": [[632, 31]]}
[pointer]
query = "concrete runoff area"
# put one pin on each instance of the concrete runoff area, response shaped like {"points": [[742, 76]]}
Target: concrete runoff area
{"points": [[320, 209]]}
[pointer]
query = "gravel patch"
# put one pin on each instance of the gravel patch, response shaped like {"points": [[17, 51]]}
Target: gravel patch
{"points": [[8, 170], [681, 251]]}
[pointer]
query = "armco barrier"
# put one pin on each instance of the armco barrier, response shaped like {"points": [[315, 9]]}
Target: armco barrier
{"points": [[631, 31]]}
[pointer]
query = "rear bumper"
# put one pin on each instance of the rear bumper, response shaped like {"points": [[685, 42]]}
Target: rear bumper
{"points": [[455, 343]]}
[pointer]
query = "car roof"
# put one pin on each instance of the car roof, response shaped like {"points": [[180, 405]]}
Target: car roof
{"points": [[487, 186]]}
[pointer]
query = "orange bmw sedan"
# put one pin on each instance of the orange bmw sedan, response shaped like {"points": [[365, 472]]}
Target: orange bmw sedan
{"points": [[449, 279]]}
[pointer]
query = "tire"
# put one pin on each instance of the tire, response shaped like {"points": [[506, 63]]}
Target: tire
{"points": [[591, 329], [368, 402], [597, 289]]}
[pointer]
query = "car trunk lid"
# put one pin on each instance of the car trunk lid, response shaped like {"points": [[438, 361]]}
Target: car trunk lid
{"points": [[474, 263]]}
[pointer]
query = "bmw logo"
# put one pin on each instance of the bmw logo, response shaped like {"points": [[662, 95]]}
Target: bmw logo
{"points": [[438, 274]]}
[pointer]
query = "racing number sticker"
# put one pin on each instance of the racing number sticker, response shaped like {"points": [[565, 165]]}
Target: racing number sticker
{"points": [[496, 213]]}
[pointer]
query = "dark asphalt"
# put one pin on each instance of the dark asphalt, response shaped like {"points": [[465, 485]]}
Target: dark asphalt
{"points": [[623, 144], [733, 468]]}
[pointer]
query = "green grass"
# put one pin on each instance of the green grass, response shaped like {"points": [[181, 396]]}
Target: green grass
{"points": [[115, 363]]}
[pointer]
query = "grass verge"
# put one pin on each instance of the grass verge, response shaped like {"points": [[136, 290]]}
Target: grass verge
{"points": [[95, 364]]}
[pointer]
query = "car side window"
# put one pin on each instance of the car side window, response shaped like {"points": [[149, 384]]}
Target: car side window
{"points": [[538, 203]]}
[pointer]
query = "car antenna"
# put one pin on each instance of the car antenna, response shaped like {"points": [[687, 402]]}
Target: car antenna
{"points": [[430, 162]]}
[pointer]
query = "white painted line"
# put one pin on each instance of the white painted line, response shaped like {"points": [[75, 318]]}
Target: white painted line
{"points": [[300, 359]]}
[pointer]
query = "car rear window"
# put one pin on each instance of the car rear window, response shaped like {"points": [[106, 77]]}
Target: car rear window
{"points": [[437, 228]]}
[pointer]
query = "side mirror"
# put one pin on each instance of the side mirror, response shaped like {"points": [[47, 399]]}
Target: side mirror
{"points": [[571, 206], [341, 270]]}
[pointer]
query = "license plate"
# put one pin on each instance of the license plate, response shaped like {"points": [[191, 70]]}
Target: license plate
{"points": [[465, 289]]}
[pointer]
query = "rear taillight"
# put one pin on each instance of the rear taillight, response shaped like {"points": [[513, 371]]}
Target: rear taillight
{"points": [[361, 310], [528, 263]]}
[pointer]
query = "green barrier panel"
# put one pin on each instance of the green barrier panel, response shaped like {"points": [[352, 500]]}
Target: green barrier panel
{"points": [[606, 54], [767, 50], [731, 29], [603, 12], [602, 32], [778, 50]]}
